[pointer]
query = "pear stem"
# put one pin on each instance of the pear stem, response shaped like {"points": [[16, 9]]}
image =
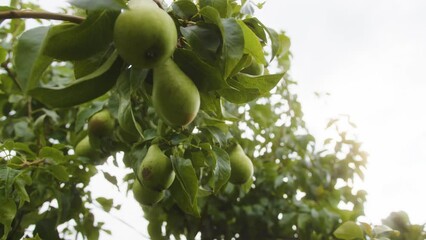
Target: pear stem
{"points": [[12, 14]]}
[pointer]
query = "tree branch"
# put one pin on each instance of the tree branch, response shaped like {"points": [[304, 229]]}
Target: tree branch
{"points": [[40, 15]]}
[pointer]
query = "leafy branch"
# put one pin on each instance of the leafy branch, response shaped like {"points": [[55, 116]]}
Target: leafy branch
{"points": [[40, 15]]}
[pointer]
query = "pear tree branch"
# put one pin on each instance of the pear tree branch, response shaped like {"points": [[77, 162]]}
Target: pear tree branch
{"points": [[40, 15]]}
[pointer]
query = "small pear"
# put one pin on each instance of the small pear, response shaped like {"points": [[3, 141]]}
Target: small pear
{"points": [[85, 149], [144, 35], [175, 97], [156, 170], [101, 124], [146, 196], [241, 166]]}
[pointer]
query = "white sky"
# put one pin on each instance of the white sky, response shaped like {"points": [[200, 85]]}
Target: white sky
{"points": [[369, 56]]}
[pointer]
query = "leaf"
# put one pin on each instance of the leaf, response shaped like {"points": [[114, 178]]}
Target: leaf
{"points": [[83, 89], [7, 178], [222, 170], [52, 155], [7, 214], [99, 4], [184, 190], [184, 9], [3, 54], [79, 41], [59, 172], [246, 88], [106, 204], [205, 76], [221, 6], [204, 39], [29, 62], [111, 179], [349, 230], [232, 38], [252, 44], [233, 44]]}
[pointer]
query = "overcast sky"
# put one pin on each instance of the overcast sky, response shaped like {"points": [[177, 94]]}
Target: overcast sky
{"points": [[369, 55]]}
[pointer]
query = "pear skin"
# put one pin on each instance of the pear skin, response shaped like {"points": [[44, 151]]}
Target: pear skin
{"points": [[146, 196], [144, 35], [85, 149], [156, 170], [241, 166], [175, 97], [101, 124]]}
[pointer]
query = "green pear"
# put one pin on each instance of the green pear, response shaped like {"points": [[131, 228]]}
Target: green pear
{"points": [[85, 149], [101, 124], [144, 35], [254, 68], [175, 97], [241, 166], [156, 170], [146, 196]]}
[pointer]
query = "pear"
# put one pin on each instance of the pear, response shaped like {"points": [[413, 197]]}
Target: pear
{"points": [[85, 149], [146, 196], [156, 170], [175, 97], [241, 166], [101, 124], [144, 35]]}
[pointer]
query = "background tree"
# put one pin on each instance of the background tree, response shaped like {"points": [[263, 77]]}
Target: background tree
{"points": [[69, 101]]}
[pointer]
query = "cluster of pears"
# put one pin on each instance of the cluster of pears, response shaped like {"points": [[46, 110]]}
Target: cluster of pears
{"points": [[100, 125], [145, 36], [154, 175], [241, 165]]}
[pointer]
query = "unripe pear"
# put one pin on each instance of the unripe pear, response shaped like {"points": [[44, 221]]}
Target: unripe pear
{"points": [[146, 196], [85, 149], [175, 97], [101, 124], [241, 166], [144, 35], [156, 170]]}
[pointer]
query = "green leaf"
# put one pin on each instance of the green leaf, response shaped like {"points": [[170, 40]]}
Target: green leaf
{"points": [[106, 204], [233, 44], [59, 172], [37, 237], [111, 179], [7, 178], [99, 4], [221, 6], [83, 89], [79, 41], [204, 39], [7, 214], [222, 171], [52, 155], [348, 231], [246, 88], [184, 190], [252, 44], [29, 62], [184, 9], [232, 38], [257, 27], [3, 54], [205, 76]]}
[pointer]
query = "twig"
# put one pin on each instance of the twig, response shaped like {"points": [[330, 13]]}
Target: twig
{"points": [[40, 15], [11, 74]]}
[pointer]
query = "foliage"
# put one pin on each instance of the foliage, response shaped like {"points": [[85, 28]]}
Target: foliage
{"points": [[396, 226], [55, 77]]}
